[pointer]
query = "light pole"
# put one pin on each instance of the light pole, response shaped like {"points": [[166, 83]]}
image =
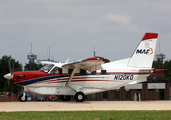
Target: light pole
{"points": [[31, 59], [160, 57]]}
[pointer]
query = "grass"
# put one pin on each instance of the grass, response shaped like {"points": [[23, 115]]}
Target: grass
{"points": [[87, 115]]}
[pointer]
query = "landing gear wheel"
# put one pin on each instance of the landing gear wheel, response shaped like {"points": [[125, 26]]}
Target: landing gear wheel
{"points": [[79, 97], [22, 98], [66, 98]]}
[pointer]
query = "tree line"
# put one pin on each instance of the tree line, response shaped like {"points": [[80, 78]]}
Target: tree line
{"points": [[8, 85]]}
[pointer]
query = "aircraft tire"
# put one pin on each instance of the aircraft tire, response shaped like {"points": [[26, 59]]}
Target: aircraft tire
{"points": [[22, 99], [66, 98], [79, 97]]}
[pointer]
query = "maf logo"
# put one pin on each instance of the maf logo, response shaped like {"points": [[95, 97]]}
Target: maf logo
{"points": [[145, 51]]}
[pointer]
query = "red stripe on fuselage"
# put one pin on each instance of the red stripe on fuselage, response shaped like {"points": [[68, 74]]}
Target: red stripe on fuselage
{"points": [[48, 82]]}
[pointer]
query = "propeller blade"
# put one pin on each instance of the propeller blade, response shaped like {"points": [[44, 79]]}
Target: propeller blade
{"points": [[12, 68], [9, 66]]}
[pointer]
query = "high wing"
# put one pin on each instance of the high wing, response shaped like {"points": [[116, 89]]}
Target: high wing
{"points": [[89, 64]]}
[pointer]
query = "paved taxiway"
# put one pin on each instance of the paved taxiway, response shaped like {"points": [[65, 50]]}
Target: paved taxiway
{"points": [[87, 105]]}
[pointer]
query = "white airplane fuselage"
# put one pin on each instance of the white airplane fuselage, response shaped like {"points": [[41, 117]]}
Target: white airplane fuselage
{"points": [[107, 79]]}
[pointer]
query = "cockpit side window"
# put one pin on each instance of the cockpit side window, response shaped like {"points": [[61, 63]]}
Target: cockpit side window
{"points": [[103, 72], [56, 70], [93, 72], [82, 72], [70, 71]]}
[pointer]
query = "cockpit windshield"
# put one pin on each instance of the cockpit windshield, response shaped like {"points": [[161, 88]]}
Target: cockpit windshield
{"points": [[46, 68]]}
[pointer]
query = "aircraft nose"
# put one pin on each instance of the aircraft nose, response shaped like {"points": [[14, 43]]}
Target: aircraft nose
{"points": [[8, 76]]}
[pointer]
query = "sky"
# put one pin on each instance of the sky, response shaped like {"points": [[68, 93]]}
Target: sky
{"points": [[74, 28]]}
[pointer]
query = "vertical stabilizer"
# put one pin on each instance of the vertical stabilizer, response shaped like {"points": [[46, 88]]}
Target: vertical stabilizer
{"points": [[144, 53]]}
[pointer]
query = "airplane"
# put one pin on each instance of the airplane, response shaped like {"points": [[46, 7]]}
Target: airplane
{"points": [[88, 76]]}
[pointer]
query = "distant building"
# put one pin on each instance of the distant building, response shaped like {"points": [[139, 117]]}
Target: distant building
{"points": [[155, 88]]}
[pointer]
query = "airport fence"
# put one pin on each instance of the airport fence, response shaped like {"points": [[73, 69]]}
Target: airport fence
{"points": [[13, 98]]}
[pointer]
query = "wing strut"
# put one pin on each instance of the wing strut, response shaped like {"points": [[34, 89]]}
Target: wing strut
{"points": [[70, 77]]}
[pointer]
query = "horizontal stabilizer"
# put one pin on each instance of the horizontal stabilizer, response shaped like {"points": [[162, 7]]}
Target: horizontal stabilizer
{"points": [[158, 70]]}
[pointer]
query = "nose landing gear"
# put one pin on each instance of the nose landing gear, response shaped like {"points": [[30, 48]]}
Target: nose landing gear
{"points": [[22, 97]]}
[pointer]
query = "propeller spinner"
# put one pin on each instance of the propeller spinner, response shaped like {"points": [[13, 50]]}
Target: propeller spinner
{"points": [[8, 76]]}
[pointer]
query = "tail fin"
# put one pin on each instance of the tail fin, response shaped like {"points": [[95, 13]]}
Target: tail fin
{"points": [[144, 54]]}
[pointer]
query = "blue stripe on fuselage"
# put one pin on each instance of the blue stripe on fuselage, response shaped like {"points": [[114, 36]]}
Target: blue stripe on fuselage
{"points": [[32, 81]]}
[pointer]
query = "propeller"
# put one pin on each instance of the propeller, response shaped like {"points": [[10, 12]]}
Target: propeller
{"points": [[9, 76], [11, 70]]}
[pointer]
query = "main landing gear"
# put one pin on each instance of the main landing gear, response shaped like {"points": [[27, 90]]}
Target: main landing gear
{"points": [[79, 97]]}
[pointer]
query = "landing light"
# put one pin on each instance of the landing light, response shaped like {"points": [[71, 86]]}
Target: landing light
{"points": [[20, 75]]}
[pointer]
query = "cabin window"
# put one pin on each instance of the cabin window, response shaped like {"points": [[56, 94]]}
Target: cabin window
{"points": [[56, 70], [82, 72], [93, 72], [70, 71], [103, 72]]}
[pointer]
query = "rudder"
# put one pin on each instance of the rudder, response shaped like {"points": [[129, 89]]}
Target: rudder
{"points": [[144, 54]]}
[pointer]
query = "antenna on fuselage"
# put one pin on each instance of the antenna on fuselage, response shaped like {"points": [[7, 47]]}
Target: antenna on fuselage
{"points": [[94, 51], [49, 52]]}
